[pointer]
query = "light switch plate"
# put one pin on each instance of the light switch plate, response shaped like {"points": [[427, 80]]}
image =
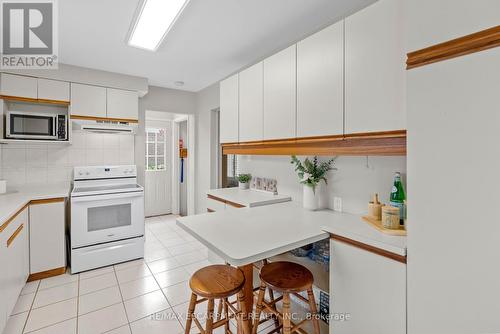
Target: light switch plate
{"points": [[337, 204]]}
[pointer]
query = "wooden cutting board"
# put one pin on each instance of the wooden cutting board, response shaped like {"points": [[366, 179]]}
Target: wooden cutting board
{"points": [[378, 225]]}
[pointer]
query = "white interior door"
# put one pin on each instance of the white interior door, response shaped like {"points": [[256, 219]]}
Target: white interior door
{"points": [[158, 185]]}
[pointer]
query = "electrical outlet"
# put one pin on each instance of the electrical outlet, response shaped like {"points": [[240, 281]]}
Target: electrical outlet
{"points": [[337, 204]]}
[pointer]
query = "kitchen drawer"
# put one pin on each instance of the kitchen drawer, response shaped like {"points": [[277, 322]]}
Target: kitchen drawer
{"points": [[215, 205]]}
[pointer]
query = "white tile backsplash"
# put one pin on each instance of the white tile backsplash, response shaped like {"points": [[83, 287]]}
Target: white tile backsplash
{"points": [[355, 181], [37, 163]]}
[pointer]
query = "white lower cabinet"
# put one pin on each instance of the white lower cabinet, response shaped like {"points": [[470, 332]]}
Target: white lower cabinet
{"points": [[368, 288], [47, 222], [14, 249]]}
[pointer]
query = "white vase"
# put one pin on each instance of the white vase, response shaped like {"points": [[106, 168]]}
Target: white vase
{"points": [[310, 198], [244, 185]]}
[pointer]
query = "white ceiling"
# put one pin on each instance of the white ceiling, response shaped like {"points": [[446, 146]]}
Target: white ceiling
{"points": [[211, 39]]}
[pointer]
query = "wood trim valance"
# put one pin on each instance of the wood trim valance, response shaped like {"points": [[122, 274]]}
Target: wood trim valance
{"points": [[31, 100], [388, 143], [93, 118], [479, 41]]}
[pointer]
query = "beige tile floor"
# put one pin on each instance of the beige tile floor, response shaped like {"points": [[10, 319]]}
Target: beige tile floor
{"points": [[142, 296]]}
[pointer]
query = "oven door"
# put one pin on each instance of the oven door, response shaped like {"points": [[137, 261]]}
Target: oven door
{"points": [[31, 126], [103, 218]]}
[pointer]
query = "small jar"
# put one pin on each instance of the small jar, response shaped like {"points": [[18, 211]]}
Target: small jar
{"points": [[390, 217]]}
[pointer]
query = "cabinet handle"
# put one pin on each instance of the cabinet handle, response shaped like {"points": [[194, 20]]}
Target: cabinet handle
{"points": [[14, 235]]}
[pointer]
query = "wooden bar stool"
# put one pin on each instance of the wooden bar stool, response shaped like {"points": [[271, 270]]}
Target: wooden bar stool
{"points": [[285, 278], [217, 282]]}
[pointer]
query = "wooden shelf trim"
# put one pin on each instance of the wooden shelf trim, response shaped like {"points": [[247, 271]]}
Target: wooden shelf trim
{"points": [[479, 41], [31, 100], [369, 248], [92, 118], [389, 143], [215, 198]]}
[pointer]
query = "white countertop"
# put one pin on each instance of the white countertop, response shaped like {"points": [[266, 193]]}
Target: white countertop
{"points": [[248, 197], [247, 235], [16, 198]]}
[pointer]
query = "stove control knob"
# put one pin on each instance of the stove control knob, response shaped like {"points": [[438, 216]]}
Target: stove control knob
{"points": [[80, 173], [88, 173]]}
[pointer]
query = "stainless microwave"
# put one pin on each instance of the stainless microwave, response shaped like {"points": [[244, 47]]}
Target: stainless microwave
{"points": [[36, 125]]}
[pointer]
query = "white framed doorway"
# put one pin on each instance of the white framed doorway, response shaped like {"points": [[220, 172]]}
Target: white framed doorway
{"points": [[158, 167]]}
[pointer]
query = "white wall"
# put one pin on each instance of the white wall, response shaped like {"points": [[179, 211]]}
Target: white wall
{"points": [[206, 101], [355, 180], [34, 163]]}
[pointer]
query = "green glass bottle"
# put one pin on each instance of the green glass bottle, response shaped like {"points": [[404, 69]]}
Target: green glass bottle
{"points": [[398, 196]]}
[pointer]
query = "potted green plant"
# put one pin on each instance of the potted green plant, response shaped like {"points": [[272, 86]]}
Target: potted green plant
{"points": [[311, 173], [244, 180]]}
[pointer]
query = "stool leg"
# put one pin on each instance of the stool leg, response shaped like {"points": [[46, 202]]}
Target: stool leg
{"points": [[287, 316], [190, 315], [218, 316], [276, 319], [210, 317], [258, 308], [226, 315], [314, 311], [243, 321]]}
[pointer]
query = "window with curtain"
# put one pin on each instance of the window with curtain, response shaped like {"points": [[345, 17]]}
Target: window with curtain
{"points": [[155, 149]]}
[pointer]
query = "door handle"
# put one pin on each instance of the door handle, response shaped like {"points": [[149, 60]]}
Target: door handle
{"points": [[14, 235]]}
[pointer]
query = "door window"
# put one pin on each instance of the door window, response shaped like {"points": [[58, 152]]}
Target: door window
{"points": [[156, 149]]}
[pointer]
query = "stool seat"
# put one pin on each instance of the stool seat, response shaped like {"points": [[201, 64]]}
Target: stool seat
{"points": [[217, 281], [286, 276]]}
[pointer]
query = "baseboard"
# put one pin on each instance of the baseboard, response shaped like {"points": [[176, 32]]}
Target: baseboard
{"points": [[47, 274]]}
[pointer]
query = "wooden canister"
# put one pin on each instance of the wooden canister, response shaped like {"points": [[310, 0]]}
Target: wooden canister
{"points": [[375, 208], [390, 217]]}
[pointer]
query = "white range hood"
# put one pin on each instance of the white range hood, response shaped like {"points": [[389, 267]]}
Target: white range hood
{"points": [[105, 126]]}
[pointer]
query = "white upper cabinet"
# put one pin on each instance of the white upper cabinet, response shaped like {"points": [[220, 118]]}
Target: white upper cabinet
{"points": [[53, 90], [280, 107], [122, 104], [18, 85], [375, 68], [88, 100], [251, 118], [320, 68], [229, 110]]}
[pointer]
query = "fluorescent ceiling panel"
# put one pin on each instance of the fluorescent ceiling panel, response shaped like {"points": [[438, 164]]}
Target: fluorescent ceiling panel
{"points": [[155, 19]]}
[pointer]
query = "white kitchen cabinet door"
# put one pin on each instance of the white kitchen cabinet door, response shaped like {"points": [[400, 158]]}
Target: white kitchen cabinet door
{"points": [[229, 97], [88, 100], [370, 288], [251, 117], [320, 83], [18, 85], [280, 107], [47, 236], [375, 75], [53, 90], [122, 104], [17, 259]]}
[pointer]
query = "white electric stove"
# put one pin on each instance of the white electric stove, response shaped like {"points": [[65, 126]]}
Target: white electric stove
{"points": [[107, 217]]}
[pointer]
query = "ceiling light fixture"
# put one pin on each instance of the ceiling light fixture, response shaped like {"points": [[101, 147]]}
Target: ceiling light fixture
{"points": [[154, 20], [179, 83]]}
